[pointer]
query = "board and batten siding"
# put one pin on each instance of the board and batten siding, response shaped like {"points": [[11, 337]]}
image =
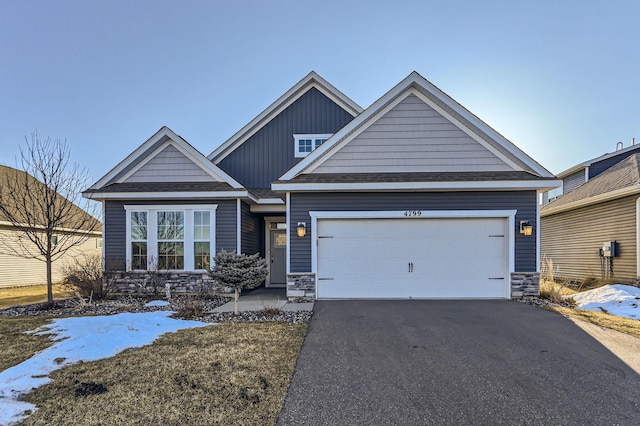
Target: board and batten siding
{"points": [[412, 137], [573, 181], [170, 165], [17, 271], [252, 229], [269, 153], [115, 233], [522, 201], [572, 238]]}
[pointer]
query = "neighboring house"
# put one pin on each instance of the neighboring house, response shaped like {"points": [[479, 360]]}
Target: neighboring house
{"points": [[19, 271], [413, 197], [578, 228]]}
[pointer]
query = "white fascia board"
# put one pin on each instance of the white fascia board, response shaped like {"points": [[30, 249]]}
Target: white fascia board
{"points": [[412, 186], [620, 193], [289, 97], [163, 195], [270, 201], [130, 158]]}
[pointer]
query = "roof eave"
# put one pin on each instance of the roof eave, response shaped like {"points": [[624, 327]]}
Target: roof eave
{"points": [[549, 209], [100, 196], [418, 186]]}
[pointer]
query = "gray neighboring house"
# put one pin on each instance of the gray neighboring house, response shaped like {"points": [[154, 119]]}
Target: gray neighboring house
{"points": [[591, 230], [412, 197]]}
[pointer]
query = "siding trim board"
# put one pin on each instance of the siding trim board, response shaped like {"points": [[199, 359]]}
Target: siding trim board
{"points": [[410, 186]]}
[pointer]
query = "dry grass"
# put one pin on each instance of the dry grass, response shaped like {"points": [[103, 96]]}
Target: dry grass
{"points": [[32, 294], [16, 346], [614, 322], [234, 373]]}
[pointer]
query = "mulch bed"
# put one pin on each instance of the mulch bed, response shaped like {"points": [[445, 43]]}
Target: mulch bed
{"points": [[136, 304]]}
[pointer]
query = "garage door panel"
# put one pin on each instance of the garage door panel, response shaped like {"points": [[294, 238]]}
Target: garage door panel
{"points": [[420, 258]]}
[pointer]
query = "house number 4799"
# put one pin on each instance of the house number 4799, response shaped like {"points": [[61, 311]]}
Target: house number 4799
{"points": [[413, 213]]}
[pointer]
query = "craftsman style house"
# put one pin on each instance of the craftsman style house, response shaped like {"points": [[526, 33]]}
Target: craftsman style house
{"points": [[412, 197]]}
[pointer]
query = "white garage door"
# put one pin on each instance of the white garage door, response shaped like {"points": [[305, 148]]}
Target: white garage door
{"points": [[412, 258]]}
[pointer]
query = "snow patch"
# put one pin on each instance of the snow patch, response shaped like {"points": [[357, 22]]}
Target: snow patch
{"points": [[616, 299], [80, 339], [154, 303]]}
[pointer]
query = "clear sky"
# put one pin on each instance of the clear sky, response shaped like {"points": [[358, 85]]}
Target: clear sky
{"points": [[560, 79]]}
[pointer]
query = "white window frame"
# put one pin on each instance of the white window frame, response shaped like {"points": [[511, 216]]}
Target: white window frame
{"points": [[316, 138], [189, 232]]}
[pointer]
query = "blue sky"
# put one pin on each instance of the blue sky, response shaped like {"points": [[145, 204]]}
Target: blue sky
{"points": [[560, 79]]}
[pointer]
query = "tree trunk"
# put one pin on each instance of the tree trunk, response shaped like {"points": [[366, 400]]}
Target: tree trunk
{"points": [[49, 282], [236, 302]]}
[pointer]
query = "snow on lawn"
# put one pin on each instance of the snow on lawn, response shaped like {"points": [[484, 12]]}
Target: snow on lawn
{"points": [[80, 339], [616, 299]]}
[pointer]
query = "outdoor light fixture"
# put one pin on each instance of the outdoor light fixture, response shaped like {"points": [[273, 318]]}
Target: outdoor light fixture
{"points": [[302, 229], [526, 228]]}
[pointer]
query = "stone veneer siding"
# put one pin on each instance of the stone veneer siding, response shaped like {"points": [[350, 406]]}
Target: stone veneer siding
{"points": [[525, 284], [301, 286], [149, 282]]}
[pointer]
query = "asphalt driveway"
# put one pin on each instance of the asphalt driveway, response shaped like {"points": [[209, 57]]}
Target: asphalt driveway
{"points": [[411, 362]]}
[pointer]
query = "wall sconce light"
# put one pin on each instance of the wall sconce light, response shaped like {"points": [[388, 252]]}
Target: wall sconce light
{"points": [[526, 228], [301, 229]]}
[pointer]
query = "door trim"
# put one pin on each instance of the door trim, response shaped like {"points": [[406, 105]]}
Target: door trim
{"points": [[268, 220], [510, 215]]}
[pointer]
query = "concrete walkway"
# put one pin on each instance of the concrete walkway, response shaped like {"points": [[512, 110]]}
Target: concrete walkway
{"points": [[262, 298]]}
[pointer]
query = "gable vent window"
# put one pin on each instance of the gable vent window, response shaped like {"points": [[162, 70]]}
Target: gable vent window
{"points": [[305, 143]]}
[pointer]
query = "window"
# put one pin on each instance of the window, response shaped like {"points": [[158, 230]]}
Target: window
{"points": [[170, 237], [304, 143]]}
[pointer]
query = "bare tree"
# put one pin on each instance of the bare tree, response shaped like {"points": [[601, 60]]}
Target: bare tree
{"points": [[38, 202]]}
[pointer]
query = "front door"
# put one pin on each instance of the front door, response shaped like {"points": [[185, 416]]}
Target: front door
{"points": [[278, 254]]}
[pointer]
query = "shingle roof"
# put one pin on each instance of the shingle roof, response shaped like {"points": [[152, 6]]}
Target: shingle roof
{"points": [[625, 174], [9, 176], [163, 187], [414, 177], [266, 193]]}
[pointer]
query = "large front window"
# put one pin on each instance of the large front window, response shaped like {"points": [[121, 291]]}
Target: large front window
{"points": [[170, 237]]}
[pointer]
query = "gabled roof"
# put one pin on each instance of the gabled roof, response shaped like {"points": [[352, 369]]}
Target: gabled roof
{"points": [[621, 180], [446, 106], [312, 80], [10, 177], [148, 150], [603, 157]]}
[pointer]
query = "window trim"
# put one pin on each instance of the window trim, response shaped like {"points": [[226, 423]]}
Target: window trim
{"points": [[189, 233], [315, 137]]}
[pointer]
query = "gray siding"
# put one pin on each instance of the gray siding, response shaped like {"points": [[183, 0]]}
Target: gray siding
{"points": [[252, 231], [596, 168], [412, 137], [268, 154], [170, 165], [522, 201], [115, 234], [572, 238], [573, 181]]}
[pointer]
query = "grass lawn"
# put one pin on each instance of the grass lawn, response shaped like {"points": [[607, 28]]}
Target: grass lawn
{"points": [[232, 373], [15, 345], [28, 295]]}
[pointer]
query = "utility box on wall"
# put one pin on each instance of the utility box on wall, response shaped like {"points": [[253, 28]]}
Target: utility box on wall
{"points": [[609, 249]]}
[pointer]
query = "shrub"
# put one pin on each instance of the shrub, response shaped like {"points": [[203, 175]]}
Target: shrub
{"points": [[86, 277], [191, 309], [238, 271]]}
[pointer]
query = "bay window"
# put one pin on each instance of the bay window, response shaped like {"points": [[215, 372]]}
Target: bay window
{"points": [[170, 237]]}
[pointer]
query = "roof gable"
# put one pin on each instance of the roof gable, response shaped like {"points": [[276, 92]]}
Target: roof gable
{"points": [[165, 157], [412, 136], [620, 180], [608, 157], [489, 143], [311, 80]]}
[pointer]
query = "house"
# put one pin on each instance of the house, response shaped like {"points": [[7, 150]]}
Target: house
{"points": [[18, 271], [591, 230], [412, 197]]}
